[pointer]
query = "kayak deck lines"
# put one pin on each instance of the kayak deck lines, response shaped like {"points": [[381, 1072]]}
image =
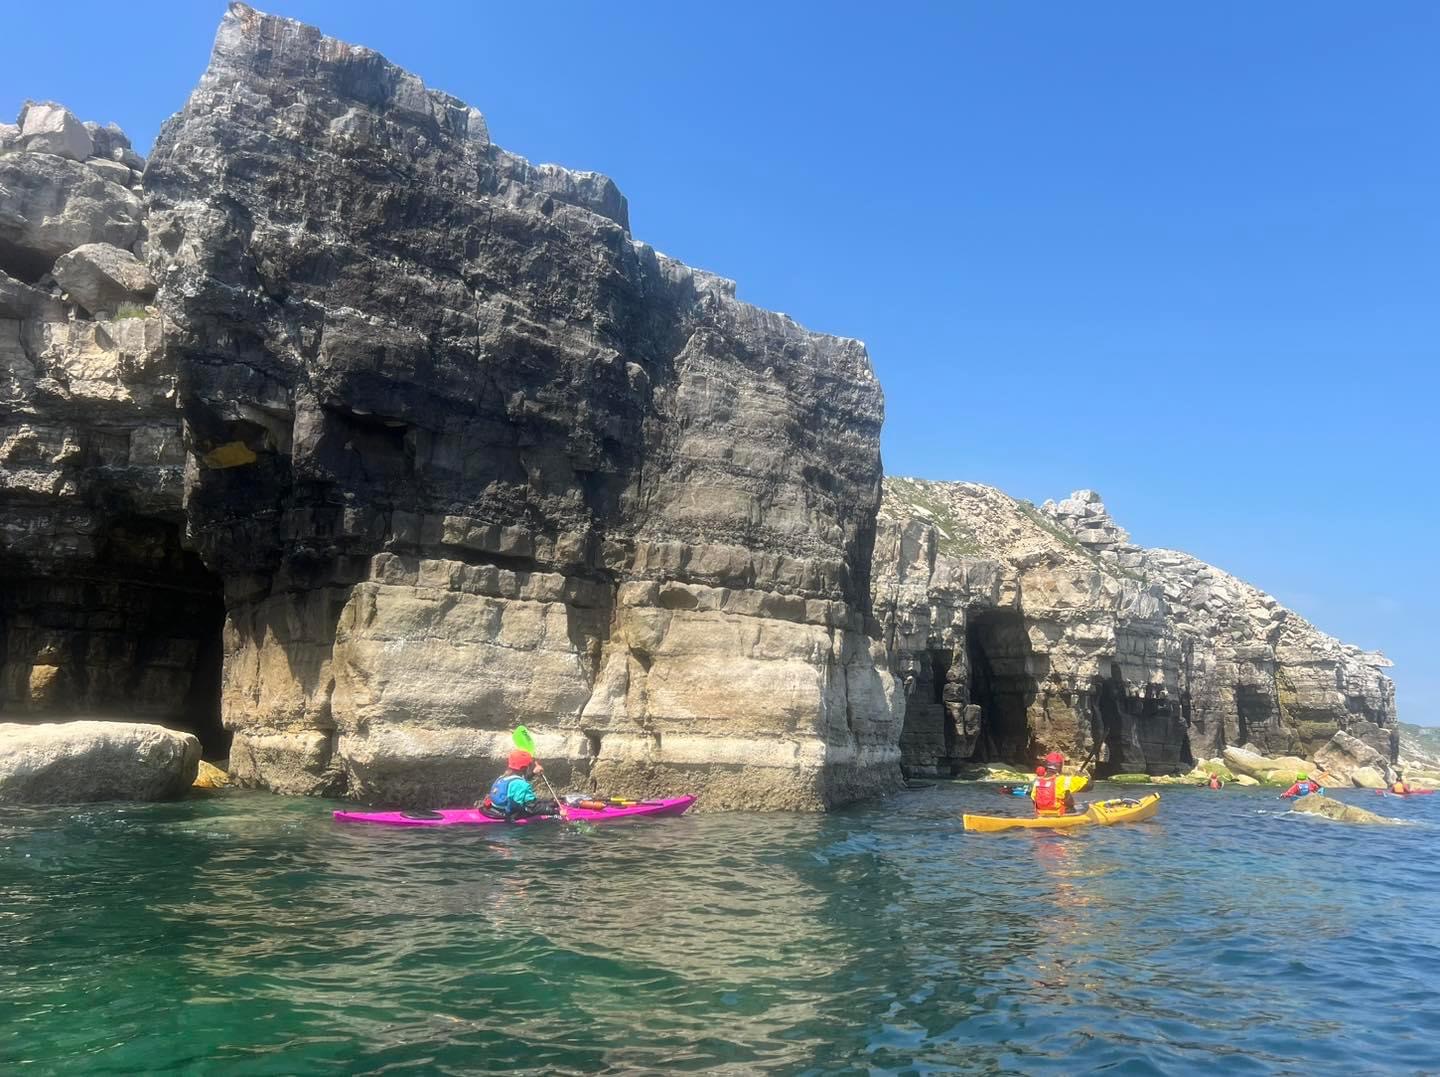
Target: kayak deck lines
{"points": [[1098, 813], [669, 806]]}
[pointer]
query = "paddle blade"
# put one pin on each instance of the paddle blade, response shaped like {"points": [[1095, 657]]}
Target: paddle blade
{"points": [[523, 740]]}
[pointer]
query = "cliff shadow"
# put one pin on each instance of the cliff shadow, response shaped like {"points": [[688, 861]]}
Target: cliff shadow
{"points": [[130, 633], [1002, 684], [1142, 732]]}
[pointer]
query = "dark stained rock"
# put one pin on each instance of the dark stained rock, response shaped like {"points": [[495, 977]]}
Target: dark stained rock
{"points": [[471, 455], [103, 612]]}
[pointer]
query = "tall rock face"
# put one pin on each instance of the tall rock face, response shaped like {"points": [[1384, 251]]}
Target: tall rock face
{"points": [[467, 455], [1018, 630], [103, 612]]}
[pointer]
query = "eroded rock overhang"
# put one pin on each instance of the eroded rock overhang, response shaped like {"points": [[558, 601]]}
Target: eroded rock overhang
{"points": [[467, 455]]}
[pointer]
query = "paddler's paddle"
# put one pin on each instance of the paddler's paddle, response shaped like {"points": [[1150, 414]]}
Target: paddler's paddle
{"points": [[526, 743]]}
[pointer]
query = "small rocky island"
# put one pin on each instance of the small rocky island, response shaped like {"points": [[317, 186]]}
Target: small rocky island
{"points": [[344, 440]]}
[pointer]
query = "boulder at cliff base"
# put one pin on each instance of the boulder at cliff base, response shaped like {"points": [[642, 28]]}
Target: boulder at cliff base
{"points": [[75, 762]]}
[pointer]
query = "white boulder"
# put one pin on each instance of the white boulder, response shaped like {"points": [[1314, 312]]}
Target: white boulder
{"points": [[1344, 755], [51, 128], [101, 277], [70, 762]]}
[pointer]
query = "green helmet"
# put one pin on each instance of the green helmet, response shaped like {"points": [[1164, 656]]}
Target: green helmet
{"points": [[1302, 777]]}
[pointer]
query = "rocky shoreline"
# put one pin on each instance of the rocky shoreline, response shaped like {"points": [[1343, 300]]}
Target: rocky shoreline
{"points": [[1020, 629], [344, 440]]}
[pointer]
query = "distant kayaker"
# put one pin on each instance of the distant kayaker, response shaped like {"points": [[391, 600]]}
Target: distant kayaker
{"points": [[1303, 787], [512, 794], [1215, 782], [1400, 785], [1052, 791]]}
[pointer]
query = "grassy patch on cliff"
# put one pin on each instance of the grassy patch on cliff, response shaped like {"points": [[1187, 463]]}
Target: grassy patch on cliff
{"points": [[956, 539]]}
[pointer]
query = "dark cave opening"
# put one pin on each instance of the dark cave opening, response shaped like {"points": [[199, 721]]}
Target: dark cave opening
{"points": [[1112, 728], [940, 663], [133, 633], [200, 712], [1141, 729], [1002, 685]]}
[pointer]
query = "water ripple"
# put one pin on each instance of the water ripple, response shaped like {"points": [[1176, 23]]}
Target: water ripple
{"points": [[248, 934]]}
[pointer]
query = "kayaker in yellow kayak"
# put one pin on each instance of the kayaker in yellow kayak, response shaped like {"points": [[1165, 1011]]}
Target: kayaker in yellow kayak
{"points": [[1054, 792]]}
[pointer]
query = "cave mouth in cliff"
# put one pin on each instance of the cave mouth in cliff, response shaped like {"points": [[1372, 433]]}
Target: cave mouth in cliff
{"points": [[130, 632], [1001, 684], [201, 714], [1140, 730], [24, 264]]}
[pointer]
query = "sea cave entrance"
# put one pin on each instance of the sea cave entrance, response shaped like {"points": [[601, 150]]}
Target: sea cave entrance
{"points": [[128, 629], [1001, 684], [1142, 731]]}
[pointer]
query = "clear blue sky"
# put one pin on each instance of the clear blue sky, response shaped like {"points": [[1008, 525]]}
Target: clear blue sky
{"points": [[1187, 254]]}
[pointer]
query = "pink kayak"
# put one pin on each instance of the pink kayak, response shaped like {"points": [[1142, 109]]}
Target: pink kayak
{"points": [[1412, 793], [471, 817]]}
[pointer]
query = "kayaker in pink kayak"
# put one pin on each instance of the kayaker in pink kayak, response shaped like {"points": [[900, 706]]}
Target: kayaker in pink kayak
{"points": [[513, 795]]}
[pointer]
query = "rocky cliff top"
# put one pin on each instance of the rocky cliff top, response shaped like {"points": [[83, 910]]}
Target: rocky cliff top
{"points": [[975, 522]]}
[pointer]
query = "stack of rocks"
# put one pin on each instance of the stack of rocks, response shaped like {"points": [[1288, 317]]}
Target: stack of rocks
{"points": [[100, 609], [1084, 513]]}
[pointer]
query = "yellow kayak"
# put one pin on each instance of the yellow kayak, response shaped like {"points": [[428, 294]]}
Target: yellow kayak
{"points": [[1099, 813]]}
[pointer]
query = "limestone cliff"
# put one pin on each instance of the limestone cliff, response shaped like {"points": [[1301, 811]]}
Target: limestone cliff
{"points": [[1018, 629], [103, 612], [466, 454], [339, 422]]}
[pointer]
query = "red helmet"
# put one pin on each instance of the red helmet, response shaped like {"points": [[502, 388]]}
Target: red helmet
{"points": [[1039, 772], [520, 759], [1055, 759]]}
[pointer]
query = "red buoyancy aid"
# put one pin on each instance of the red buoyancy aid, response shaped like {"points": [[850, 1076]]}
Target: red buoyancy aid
{"points": [[1046, 799]]}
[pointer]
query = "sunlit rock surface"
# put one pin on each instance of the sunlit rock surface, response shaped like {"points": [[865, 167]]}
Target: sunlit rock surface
{"points": [[466, 455], [1017, 630], [74, 762]]}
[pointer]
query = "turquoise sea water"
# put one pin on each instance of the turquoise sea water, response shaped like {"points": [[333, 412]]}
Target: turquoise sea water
{"points": [[243, 933]]}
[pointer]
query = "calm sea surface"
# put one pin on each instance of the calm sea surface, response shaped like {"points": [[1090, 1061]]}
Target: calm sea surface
{"points": [[249, 934]]}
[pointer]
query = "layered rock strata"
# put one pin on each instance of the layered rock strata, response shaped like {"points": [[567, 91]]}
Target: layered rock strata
{"points": [[1018, 629], [102, 609], [466, 454]]}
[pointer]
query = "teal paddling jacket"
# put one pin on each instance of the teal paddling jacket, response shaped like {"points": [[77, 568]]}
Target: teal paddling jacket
{"points": [[511, 792]]}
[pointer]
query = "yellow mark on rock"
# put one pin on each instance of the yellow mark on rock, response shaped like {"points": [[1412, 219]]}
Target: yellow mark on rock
{"points": [[231, 454]]}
